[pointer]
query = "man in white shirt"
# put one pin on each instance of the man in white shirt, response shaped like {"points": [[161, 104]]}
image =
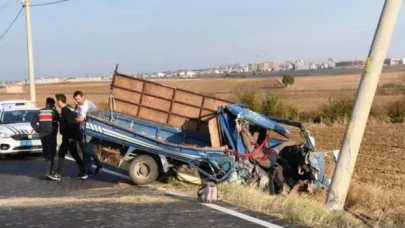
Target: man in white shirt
{"points": [[83, 107]]}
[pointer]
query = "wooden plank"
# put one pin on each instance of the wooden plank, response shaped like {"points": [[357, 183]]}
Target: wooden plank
{"points": [[171, 107], [186, 110], [160, 104], [177, 121], [125, 108], [126, 95], [214, 132], [157, 90], [188, 98], [213, 104], [153, 115], [128, 83]]}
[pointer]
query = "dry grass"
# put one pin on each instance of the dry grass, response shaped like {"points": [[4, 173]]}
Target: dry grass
{"points": [[385, 205], [39, 202], [302, 210]]}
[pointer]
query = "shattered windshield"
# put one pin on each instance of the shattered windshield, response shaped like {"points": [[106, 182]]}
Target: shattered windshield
{"points": [[18, 116]]}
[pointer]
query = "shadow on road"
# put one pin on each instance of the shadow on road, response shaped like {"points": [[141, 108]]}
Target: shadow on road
{"points": [[34, 166]]}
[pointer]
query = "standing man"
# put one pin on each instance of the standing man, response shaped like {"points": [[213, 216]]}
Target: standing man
{"points": [[46, 125], [71, 136], [83, 107]]}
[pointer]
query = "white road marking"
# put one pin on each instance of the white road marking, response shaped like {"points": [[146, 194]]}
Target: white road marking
{"points": [[243, 216], [212, 206]]}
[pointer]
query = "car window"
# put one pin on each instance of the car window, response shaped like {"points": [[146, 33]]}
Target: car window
{"points": [[18, 116]]}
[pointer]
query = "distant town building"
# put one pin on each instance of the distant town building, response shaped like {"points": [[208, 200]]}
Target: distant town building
{"points": [[350, 64], [49, 80], [264, 66], [301, 65], [252, 67], [273, 65], [160, 74], [393, 61], [190, 73], [85, 79]]}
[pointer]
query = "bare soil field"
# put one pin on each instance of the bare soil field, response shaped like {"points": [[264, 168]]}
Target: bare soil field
{"points": [[379, 168]]}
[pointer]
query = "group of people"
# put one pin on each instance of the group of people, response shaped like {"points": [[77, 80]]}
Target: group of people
{"points": [[70, 122]]}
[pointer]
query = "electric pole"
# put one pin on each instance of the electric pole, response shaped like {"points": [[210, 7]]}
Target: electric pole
{"points": [[368, 85], [29, 49]]}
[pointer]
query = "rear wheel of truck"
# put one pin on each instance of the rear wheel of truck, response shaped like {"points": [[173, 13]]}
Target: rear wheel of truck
{"points": [[143, 170]]}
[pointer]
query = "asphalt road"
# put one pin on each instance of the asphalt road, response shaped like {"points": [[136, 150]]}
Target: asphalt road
{"points": [[27, 199]]}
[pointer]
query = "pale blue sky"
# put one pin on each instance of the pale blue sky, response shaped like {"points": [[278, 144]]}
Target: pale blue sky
{"points": [[84, 37]]}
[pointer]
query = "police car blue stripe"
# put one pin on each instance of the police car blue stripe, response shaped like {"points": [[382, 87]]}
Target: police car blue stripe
{"points": [[11, 129]]}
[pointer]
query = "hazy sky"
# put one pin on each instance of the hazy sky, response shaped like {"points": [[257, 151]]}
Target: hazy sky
{"points": [[88, 37]]}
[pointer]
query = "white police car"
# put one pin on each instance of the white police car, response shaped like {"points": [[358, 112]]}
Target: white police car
{"points": [[16, 133]]}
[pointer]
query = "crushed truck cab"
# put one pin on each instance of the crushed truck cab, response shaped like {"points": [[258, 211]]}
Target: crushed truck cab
{"points": [[16, 133]]}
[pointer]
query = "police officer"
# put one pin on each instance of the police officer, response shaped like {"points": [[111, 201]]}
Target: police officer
{"points": [[46, 125]]}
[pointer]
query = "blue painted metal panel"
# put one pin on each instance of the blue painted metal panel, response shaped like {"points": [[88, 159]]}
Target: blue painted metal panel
{"points": [[161, 132], [257, 119], [148, 138]]}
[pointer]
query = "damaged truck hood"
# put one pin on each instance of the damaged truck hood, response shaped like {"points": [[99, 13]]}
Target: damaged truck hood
{"points": [[245, 114]]}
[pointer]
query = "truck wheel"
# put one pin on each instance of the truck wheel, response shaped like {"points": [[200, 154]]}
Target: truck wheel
{"points": [[143, 170], [2, 157]]}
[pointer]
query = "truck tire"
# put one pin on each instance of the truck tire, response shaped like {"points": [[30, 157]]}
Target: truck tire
{"points": [[143, 170]]}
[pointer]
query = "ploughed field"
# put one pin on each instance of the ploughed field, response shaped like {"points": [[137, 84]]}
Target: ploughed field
{"points": [[382, 154]]}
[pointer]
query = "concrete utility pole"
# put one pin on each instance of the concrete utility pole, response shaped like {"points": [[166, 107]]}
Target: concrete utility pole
{"points": [[29, 49], [368, 85]]}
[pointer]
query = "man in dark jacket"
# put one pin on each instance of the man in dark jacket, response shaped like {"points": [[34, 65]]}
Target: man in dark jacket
{"points": [[46, 125], [71, 138]]}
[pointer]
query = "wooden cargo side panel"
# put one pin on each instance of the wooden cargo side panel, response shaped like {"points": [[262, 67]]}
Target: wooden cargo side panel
{"points": [[128, 83], [188, 98], [186, 111], [167, 105], [153, 115], [125, 108], [156, 103], [125, 95], [184, 123], [212, 104], [158, 90]]}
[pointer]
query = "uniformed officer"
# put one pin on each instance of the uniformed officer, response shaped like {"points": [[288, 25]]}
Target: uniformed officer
{"points": [[46, 125]]}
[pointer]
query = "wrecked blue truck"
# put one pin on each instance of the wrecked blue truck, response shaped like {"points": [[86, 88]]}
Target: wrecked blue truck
{"points": [[209, 145]]}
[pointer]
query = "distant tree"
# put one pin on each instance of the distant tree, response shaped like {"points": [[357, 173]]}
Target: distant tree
{"points": [[288, 80]]}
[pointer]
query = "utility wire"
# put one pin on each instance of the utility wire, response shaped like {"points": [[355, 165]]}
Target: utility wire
{"points": [[12, 23], [49, 3], [4, 6]]}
